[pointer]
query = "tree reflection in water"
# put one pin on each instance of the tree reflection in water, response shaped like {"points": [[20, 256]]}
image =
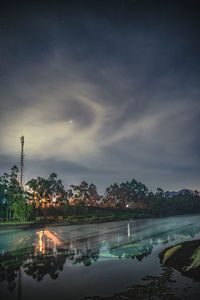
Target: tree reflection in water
{"points": [[47, 256]]}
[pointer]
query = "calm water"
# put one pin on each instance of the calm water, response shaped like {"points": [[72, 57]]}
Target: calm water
{"points": [[74, 262]]}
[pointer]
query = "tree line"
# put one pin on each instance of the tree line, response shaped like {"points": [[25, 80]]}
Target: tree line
{"points": [[17, 203]]}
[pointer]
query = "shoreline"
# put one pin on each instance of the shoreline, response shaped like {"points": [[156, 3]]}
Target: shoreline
{"points": [[75, 221]]}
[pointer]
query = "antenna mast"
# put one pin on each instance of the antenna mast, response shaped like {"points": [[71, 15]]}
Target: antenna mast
{"points": [[21, 179]]}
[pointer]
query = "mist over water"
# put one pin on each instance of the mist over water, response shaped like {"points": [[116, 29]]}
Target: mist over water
{"points": [[79, 261]]}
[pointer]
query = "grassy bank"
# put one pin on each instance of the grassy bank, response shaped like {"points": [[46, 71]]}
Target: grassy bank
{"points": [[184, 257], [98, 216]]}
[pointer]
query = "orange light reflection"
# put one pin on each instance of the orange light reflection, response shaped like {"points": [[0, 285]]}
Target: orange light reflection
{"points": [[47, 239]]}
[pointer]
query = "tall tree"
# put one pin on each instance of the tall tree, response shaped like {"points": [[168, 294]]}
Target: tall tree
{"points": [[79, 193], [93, 196], [10, 191], [46, 192]]}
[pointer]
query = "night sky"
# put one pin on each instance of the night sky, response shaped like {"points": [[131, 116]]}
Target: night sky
{"points": [[103, 91]]}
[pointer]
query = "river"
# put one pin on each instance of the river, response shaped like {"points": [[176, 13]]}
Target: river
{"points": [[84, 261]]}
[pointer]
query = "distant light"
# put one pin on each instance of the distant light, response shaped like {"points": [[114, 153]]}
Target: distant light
{"points": [[70, 121], [127, 205]]}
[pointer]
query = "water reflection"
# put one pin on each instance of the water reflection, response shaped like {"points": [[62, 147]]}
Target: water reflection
{"points": [[47, 251], [47, 240]]}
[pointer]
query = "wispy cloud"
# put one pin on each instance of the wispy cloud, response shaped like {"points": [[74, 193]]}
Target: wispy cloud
{"points": [[103, 103]]}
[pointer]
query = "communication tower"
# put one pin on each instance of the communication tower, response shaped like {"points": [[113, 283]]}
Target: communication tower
{"points": [[21, 178]]}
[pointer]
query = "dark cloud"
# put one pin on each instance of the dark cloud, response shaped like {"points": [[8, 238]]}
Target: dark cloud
{"points": [[102, 90]]}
